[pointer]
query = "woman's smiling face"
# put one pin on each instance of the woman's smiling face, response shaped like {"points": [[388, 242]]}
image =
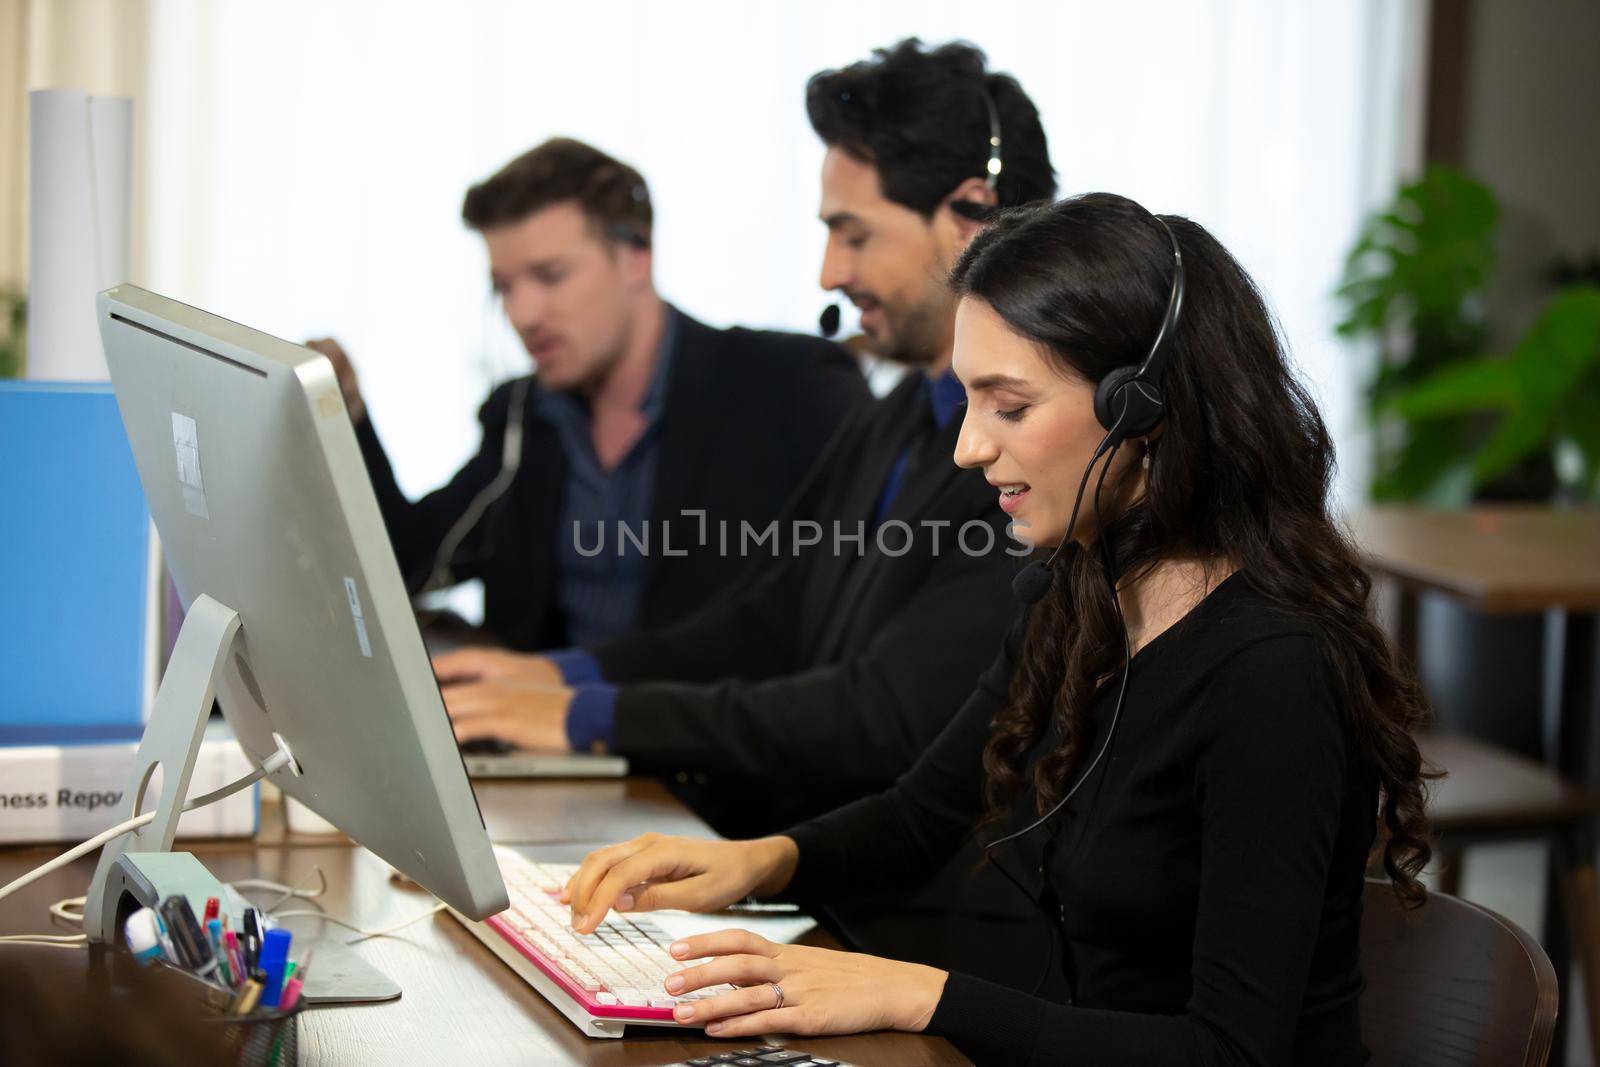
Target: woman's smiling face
{"points": [[1029, 424]]}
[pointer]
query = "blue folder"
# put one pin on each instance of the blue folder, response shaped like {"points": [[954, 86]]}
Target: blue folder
{"points": [[75, 574]]}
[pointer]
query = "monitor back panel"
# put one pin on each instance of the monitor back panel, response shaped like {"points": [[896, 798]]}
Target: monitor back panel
{"points": [[257, 487]]}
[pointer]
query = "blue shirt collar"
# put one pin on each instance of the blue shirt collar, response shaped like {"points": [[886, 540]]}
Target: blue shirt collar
{"points": [[946, 396]]}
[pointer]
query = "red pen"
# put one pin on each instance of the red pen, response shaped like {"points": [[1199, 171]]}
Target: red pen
{"points": [[213, 909]]}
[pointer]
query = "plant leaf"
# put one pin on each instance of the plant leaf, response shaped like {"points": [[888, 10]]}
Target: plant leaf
{"points": [[1434, 456], [1561, 347], [1483, 384], [1579, 422], [1518, 436]]}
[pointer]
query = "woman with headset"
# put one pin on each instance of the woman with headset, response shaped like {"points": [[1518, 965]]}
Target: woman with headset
{"points": [[1191, 740]]}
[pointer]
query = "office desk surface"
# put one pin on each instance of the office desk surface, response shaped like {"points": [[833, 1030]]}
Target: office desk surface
{"points": [[524, 812], [460, 1004], [1494, 558]]}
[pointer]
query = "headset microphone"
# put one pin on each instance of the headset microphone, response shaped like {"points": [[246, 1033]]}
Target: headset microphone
{"points": [[1033, 581], [828, 321]]}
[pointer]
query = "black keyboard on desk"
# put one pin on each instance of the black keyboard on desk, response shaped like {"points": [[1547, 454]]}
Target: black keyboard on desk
{"points": [[764, 1056]]}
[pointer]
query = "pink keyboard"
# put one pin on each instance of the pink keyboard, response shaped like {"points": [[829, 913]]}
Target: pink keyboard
{"points": [[613, 976]]}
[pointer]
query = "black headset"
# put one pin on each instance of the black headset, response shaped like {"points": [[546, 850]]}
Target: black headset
{"points": [[1128, 402]]}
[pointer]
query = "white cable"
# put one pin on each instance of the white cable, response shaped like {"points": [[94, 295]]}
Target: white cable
{"points": [[62, 909], [47, 940], [272, 763], [285, 891], [363, 931]]}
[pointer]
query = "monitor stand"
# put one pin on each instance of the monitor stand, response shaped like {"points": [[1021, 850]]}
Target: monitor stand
{"points": [[139, 869]]}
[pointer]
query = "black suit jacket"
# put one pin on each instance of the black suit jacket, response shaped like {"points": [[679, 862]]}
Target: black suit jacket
{"points": [[747, 414], [829, 673]]}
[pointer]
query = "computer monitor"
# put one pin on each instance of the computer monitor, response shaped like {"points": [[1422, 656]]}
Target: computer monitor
{"points": [[257, 487]]}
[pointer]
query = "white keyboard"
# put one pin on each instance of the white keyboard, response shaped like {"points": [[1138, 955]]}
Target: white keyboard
{"points": [[601, 981]]}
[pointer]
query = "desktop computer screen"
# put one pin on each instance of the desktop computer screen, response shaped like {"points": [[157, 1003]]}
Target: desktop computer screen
{"points": [[256, 484]]}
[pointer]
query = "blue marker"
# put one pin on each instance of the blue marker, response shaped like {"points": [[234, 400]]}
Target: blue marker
{"points": [[274, 958]]}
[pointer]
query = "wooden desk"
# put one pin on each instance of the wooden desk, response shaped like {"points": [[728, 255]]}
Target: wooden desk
{"points": [[1495, 559], [1507, 559], [460, 1004]]}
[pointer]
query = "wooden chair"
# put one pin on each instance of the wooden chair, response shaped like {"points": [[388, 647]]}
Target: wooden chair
{"points": [[1452, 984], [1491, 795]]}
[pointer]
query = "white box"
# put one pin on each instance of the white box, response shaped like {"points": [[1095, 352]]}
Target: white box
{"points": [[70, 793]]}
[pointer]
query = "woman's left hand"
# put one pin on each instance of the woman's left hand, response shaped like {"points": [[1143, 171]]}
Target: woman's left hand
{"points": [[824, 991]]}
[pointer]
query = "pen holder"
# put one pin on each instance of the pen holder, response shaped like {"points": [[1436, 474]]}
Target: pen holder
{"points": [[267, 1037], [262, 1038]]}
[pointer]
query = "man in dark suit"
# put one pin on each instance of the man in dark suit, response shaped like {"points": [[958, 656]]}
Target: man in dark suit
{"points": [[825, 677], [580, 509]]}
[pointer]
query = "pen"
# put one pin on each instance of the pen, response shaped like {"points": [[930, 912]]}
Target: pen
{"points": [[291, 989], [213, 909], [167, 947], [214, 935], [251, 939], [235, 957], [194, 948]]}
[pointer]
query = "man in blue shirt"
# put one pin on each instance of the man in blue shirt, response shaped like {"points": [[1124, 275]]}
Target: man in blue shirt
{"points": [[641, 425]]}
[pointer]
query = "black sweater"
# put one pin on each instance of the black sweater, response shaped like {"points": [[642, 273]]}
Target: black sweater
{"points": [[1210, 873]]}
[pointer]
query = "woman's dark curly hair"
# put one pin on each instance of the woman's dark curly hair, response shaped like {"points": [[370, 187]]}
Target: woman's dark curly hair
{"points": [[1240, 472]]}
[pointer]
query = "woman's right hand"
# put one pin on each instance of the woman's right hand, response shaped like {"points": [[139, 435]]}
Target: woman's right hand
{"points": [[655, 871]]}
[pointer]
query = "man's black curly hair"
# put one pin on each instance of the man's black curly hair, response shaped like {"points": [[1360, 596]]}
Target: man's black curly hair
{"points": [[918, 115]]}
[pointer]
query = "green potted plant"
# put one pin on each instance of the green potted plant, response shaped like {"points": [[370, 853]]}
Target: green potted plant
{"points": [[14, 324], [1455, 422], [1414, 287], [1541, 399]]}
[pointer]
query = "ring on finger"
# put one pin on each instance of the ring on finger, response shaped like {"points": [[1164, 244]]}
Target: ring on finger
{"points": [[777, 991]]}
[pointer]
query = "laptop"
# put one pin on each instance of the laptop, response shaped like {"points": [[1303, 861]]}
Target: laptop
{"points": [[496, 759]]}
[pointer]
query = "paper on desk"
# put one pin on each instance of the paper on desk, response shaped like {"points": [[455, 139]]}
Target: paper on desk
{"points": [[783, 927]]}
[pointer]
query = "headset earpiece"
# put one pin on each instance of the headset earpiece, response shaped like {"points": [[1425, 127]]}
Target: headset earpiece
{"points": [[1129, 401], [1128, 405]]}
